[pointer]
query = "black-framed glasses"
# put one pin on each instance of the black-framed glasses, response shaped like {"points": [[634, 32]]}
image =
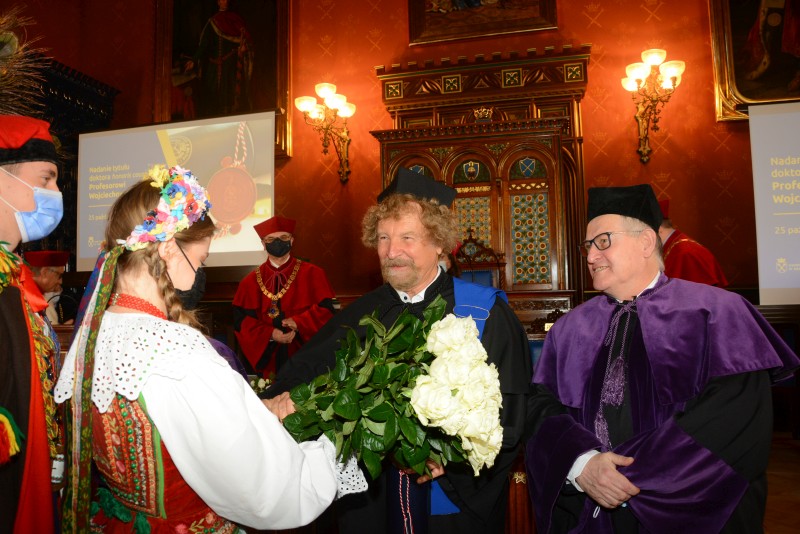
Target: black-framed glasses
{"points": [[602, 241], [284, 237]]}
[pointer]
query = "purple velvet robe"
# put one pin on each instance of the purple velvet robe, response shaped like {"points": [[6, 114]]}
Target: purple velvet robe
{"points": [[697, 350]]}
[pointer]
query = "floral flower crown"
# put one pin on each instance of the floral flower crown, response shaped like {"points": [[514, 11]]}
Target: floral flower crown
{"points": [[183, 202]]}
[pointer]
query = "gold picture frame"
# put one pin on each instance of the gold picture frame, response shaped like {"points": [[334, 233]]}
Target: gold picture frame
{"points": [[273, 24], [448, 20], [740, 33]]}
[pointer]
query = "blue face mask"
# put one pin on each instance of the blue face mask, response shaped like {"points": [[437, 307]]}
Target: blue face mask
{"points": [[47, 213]]}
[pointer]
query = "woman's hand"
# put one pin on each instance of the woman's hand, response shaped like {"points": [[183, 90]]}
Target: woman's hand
{"points": [[281, 406]]}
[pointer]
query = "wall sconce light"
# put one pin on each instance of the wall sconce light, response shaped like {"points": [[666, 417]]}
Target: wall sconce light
{"points": [[651, 84], [324, 118]]}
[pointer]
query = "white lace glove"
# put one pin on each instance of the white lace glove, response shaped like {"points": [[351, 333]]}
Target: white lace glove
{"points": [[349, 478]]}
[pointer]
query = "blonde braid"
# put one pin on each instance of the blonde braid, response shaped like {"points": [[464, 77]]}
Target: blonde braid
{"points": [[175, 312]]}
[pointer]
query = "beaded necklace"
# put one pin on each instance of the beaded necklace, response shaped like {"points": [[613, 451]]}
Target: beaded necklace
{"points": [[135, 303]]}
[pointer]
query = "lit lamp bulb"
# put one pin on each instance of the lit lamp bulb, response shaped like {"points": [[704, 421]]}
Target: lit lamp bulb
{"points": [[629, 84], [317, 112], [672, 69], [654, 56], [638, 71], [335, 101], [324, 90], [305, 103], [347, 111]]}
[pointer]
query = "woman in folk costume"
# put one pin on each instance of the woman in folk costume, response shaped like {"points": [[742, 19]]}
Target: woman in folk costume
{"points": [[180, 440]]}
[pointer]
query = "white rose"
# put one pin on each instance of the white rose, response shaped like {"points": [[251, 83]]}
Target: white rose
{"points": [[479, 423], [450, 333], [482, 385], [452, 370], [431, 401], [452, 423], [484, 452]]}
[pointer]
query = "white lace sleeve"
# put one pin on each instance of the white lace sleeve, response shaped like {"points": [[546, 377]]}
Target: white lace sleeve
{"points": [[235, 453], [349, 477]]}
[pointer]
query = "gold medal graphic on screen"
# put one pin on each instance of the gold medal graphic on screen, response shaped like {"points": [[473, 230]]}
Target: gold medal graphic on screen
{"points": [[232, 188]]}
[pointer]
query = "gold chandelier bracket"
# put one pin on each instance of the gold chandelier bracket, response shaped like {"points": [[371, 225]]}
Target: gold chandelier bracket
{"points": [[651, 85], [329, 120]]}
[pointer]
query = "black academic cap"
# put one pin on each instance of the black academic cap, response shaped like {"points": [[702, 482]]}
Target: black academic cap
{"points": [[419, 185], [637, 201]]}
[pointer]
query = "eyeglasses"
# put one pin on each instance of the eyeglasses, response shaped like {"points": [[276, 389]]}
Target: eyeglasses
{"points": [[602, 241], [284, 237]]}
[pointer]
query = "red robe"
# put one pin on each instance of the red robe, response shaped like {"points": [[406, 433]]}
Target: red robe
{"points": [[687, 259], [25, 487], [308, 300]]}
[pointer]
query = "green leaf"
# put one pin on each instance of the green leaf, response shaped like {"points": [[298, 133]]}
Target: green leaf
{"points": [[416, 455], [320, 381], [396, 370], [348, 427], [356, 438], [435, 310], [381, 412], [340, 372], [300, 393], [339, 442], [412, 430], [355, 354], [380, 376], [390, 432], [327, 413], [401, 342], [399, 457], [346, 404], [308, 433], [451, 450], [294, 424], [365, 373], [371, 441], [323, 401], [374, 322], [374, 427], [372, 461]]}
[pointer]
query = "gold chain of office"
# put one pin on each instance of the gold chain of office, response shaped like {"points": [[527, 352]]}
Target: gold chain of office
{"points": [[273, 309]]}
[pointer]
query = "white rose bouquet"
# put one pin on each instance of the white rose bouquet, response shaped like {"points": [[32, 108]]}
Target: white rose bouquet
{"points": [[419, 390], [461, 392]]}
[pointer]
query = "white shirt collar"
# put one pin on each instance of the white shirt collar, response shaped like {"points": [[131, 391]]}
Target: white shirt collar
{"points": [[651, 285], [278, 265], [419, 297]]}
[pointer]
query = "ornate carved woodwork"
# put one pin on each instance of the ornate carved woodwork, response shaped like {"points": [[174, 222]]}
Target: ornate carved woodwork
{"points": [[506, 132]]}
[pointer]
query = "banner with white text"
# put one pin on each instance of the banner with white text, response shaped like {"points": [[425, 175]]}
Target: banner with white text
{"points": [[775, 146]]}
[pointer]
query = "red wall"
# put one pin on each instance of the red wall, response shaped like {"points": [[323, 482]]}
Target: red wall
{"points": [[703, 165]]}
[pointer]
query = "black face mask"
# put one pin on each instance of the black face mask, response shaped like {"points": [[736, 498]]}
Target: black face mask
{"points": [[279, 248], [191, 298]]}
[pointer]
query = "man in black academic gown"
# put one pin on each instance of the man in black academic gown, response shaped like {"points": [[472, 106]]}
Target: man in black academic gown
{"points": [[665, 420], [410, 227]]}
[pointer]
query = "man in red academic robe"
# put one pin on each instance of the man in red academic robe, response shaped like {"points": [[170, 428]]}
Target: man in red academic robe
{"points": [[684, 257], [280, 305]]}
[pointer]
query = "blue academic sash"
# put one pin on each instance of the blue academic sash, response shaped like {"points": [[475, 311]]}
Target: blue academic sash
{"points": [[471, 300]]}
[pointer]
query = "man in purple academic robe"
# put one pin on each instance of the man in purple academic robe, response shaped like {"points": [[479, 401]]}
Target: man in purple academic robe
{"points": [[663, 419]]}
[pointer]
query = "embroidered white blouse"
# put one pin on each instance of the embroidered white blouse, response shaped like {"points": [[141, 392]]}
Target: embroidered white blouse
{"points": [[226, 444]]}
